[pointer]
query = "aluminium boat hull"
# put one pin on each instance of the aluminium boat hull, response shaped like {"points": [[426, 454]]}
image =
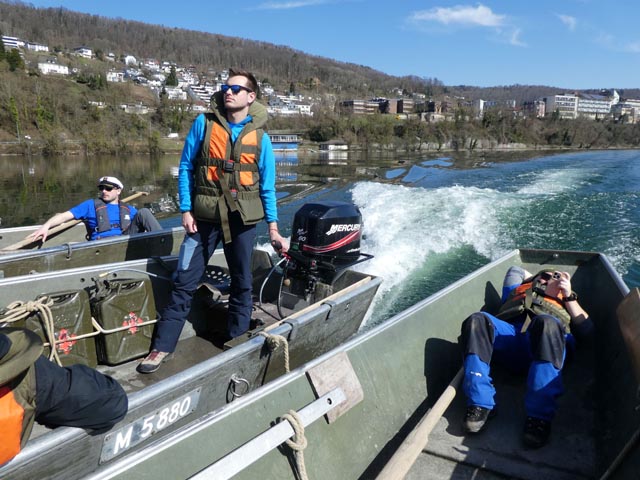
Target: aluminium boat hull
{"points": [[202, 378], [401, 367]]}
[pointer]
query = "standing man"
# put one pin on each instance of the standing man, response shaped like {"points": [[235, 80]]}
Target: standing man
{"points": [[226, 183], [104, 216]]}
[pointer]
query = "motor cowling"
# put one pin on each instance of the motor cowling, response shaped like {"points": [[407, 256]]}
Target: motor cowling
{"points": [[325, 242], [326, 235]]}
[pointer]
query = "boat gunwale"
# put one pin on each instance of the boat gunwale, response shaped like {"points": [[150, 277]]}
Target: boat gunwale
{"points": [[88, 244]]}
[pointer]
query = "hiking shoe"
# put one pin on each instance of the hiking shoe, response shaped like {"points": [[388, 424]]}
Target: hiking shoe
{"points": [[152, 362], [475, 418], [536, 432]]}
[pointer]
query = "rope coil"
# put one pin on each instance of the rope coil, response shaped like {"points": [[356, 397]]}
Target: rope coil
{"points": [[298, 442], [20, 310], [274, 342]]}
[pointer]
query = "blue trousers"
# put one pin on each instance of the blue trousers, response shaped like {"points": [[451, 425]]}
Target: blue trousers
{"points": [[195, 252], [519, 352]]}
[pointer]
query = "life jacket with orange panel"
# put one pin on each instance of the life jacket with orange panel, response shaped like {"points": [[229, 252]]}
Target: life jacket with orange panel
{"points": [[19, 349], [529, 298], [226, 174]]}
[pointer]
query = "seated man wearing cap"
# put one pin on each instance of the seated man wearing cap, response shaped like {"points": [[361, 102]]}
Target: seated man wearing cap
{"points": [[104, 216]]}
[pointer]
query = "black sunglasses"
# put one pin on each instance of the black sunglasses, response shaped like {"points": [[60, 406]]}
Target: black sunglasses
{"points": [[235, 89], [104, 187]]}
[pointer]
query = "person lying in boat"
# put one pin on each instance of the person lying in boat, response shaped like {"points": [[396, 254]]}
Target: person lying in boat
{"points": [[537, 321], [104, 216], [34, 389], [226, 183]]}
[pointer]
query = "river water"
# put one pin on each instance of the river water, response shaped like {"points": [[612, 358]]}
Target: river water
{"points": [[428, 219]]}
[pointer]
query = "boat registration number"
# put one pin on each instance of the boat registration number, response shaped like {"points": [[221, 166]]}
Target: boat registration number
{"points": [[132, 434]]}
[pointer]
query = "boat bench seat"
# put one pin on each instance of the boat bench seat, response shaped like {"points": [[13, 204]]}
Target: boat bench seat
{"points": [[215, 283]]}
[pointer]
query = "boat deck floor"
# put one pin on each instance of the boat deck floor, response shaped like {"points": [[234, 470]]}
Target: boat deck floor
{"points": [[193, 348], [497, 452]]}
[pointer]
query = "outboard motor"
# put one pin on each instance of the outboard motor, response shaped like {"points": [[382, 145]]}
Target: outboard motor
{"points": [[325, 242]]}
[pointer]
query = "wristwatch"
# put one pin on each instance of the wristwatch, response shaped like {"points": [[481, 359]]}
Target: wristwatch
{"points": [[571, 298]]}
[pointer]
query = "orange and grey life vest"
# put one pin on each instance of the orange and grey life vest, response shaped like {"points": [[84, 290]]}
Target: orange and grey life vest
{"points": [[529, 299], [102, 218], [226, 175], [17, 390]]}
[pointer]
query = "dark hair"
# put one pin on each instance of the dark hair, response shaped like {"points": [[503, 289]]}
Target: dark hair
{"points": [[238, 72]]}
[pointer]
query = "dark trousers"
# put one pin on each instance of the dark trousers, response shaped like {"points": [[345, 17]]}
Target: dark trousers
{"points": [[144, 221], [195, 252], [77, 396]]}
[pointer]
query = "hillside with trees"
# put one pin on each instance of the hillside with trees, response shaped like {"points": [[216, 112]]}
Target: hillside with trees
{"points": [[83, 112]]}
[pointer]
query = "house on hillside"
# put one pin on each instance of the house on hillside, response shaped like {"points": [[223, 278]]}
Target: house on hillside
{"points": [[84, 52], [12, 42], [48, 68], [131, 60], [37, 47], [115, 76]]}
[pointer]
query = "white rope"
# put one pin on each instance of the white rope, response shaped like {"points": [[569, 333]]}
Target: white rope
{"points": [[274, 342], [298, 442], [19, 310]]}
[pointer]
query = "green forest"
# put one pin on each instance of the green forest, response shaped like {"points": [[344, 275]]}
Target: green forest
{"points": [[82, 113]]}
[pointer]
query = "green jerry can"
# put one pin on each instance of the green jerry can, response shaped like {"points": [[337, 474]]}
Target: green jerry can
{"points": [[71, 315], [121, 307]]}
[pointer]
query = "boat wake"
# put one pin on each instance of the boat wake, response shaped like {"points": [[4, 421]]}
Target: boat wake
{"points": [[418, 235]]}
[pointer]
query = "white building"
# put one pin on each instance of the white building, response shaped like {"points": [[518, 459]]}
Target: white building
{"points": [[595, 106], [565, 104], [12, 42], [49, 68], [84, 52], [203, 92], [130, 60], [152, 64], [37, 47], [115, 77], [175, 93]]}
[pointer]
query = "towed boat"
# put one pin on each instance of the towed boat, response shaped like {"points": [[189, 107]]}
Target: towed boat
{"points": [[71, 250], [103, 316], [67, 247], [355, 408]]}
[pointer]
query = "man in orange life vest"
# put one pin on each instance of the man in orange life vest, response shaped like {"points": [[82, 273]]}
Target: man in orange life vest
{"points": [[226, 182], [537, 321], [105, 216], [33, 388]]}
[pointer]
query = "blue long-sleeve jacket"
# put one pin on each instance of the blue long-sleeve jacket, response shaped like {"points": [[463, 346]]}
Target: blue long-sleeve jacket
{"points": [[266, 166]]}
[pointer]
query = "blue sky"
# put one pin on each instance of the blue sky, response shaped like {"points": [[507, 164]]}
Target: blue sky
{"points": [[571, 44]]}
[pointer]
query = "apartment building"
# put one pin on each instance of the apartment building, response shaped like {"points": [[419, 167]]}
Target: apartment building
{"points": [[566, 105], [12, 42], [534, 108], [362, 107], [596, 106]]}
